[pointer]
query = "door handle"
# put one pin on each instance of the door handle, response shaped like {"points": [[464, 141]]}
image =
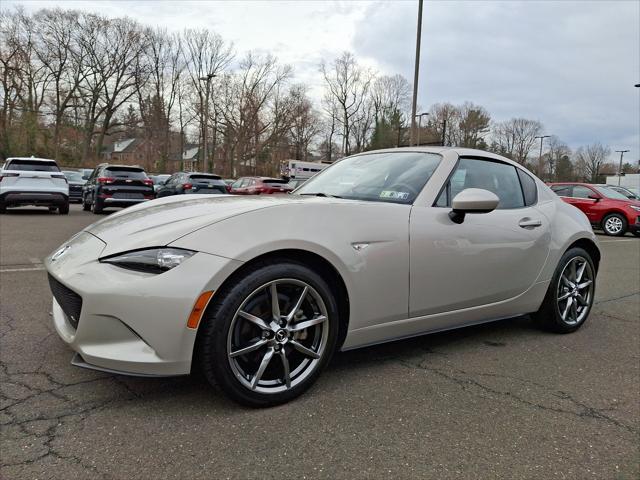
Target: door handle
{"points": [[530, 223]]}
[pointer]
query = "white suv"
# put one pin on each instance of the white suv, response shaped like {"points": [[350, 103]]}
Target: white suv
{"points": [[33, 181]]}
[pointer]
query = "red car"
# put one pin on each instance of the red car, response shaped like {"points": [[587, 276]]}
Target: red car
{"points": [[259, 185], [604, 207]]}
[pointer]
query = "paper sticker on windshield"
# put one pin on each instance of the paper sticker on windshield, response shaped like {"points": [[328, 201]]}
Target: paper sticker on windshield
{"points": [[391, 194]]}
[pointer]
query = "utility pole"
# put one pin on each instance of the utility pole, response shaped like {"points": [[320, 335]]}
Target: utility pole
{"points": [[540, 162], [205, 153], [420, 125], [621, 152], [415, 75]]}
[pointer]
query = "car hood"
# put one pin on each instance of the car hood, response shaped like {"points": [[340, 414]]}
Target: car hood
{"points": [[162, 221]]}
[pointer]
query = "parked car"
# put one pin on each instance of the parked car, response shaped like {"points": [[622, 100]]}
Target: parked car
{"points": [[260, 292], [624, 191], [74, 178], [259, 185], [116, 186], [192, 182], [605, 208], [159, 180], [86, 173], [33, 181], [296, 182]]}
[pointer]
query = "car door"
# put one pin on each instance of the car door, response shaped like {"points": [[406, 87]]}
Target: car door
{"points": [[489, 257], [585, 199], [168, 187]]}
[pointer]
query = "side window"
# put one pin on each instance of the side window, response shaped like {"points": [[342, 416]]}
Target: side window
{"points": [[499, 178], [529, 188], [562, 190], [582, 192]]}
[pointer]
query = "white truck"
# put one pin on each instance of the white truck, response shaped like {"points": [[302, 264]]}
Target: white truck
{"points": [[33, 181], [299, 170]]}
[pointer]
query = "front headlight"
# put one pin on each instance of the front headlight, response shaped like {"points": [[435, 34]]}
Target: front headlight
{"points": [[153, 260], [636, 208]]}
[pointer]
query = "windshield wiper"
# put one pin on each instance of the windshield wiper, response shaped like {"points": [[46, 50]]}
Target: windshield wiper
{"points": [[320, 194]]}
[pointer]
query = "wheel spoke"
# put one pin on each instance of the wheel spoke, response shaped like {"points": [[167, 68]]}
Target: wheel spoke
{"points": [[582, 300], [275, 305], [564, 296], [285, 366], [581, 270], [584, 285], [304, 350], [307, 323], [567, 308], [574, 311], [250, 348], [255, 320], [292, 313], [566, 281], [263, 366]]}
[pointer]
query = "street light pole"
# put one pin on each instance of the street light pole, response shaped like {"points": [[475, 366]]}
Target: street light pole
{"points": [[205, 152], [540, 163], [415, 75], [420, 125], [621, 152]]}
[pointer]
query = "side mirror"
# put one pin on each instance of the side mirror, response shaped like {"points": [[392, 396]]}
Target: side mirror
{"points": [[472, 200], [594, 197]]}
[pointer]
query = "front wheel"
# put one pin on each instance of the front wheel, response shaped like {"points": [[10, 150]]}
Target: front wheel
{"points": [[267, 337], [569, 298], [64, 209], [96, 206], [614, 225], [85, 205]]}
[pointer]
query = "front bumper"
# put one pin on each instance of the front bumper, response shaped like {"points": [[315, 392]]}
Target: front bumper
{"points": [[131, 322]]}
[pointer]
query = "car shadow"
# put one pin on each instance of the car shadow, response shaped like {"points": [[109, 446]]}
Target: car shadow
{"points": [[487, 336]]}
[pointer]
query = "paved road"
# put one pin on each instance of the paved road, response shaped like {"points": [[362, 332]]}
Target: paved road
{"points": [[503, 400]]}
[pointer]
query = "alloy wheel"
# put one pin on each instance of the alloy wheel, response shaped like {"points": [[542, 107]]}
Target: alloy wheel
{"points": [[575, 290], [613, 225], [278, 336]]}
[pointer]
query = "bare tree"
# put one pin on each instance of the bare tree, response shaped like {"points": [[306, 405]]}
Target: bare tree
{"points": [[516, 137], [591, 159], [206, 55], [555, 155], [349, 84], [305, 124]]}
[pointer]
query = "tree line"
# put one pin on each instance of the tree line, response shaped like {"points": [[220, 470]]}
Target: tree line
{"points": [[75, 82]]}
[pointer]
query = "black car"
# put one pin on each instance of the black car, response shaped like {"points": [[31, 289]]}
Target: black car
{"points": [[192, 182], [76, 183], [116, 186]]}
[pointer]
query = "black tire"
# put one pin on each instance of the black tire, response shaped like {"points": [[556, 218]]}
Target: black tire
{"points": [[549, 315], [3, 208], [614, 225], [96, 206], [636, 233], [64, 209], [85, 205], [211, 342]]}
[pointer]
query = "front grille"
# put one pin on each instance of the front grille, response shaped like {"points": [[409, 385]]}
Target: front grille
{"points": [[69, 301]]}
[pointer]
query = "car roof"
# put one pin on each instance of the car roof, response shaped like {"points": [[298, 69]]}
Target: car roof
{"points": [[34, 159]]}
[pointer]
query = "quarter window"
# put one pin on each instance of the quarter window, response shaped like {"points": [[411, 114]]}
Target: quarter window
{"points": [[529, 188], [497, 177]]}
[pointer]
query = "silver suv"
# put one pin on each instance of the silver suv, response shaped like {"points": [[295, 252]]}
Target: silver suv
{"points": [[33, 181]]}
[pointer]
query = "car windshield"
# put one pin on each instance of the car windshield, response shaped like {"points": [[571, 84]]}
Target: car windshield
{"points": [[33, 166], [610, 193], [396, 177], [73, 176]]}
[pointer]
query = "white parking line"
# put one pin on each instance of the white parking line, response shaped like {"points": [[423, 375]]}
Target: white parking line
{"points": [[618, 241], [28, 269], [35, 261]]}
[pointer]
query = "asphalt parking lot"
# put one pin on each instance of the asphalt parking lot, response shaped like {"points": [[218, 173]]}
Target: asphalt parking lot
{"points": [[503, 400]]}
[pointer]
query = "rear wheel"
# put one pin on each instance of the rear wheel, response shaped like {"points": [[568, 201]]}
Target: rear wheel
{"points": [[614, 225], [64, 209], [267, 337], [96, 206], [569, 298]]}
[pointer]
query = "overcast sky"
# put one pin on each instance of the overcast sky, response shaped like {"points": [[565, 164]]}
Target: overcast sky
{"points": [[571, 65]]}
